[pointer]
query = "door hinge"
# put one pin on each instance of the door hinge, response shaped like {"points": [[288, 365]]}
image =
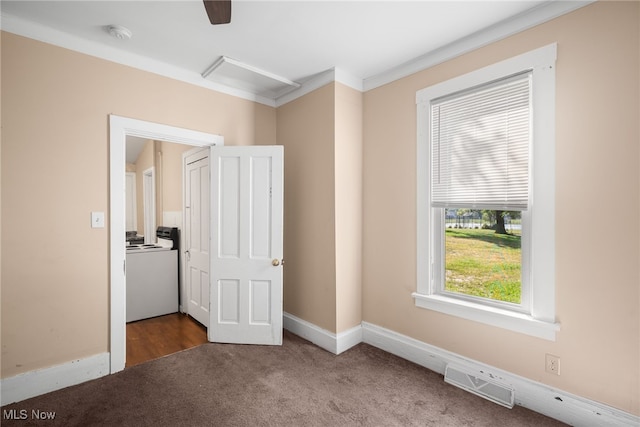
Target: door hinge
{"points": [[124, 267]]}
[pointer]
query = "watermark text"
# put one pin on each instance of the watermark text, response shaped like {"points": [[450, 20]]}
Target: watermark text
{"points": [[25, 414]]}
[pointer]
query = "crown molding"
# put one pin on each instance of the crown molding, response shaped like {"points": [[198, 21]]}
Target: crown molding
{"points": [[506, 28], [319, 80], [499, 31], [58, 38]]}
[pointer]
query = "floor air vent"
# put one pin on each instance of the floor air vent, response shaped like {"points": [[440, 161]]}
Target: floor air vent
{"points": [[491, 390]]}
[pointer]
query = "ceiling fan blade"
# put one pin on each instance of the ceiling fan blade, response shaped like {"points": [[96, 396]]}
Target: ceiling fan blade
{"points": [[219, 11]]}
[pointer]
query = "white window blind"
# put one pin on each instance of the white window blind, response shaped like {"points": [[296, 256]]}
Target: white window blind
{"points": [[480, 142]]}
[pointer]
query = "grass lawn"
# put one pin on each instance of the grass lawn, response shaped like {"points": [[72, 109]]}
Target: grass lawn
{"points": [[483, 263]]}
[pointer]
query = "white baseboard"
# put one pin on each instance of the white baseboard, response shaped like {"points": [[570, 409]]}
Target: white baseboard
{"points": [[568, 408], [41, 381], [557, 404], [349, 338], [333, 343]]}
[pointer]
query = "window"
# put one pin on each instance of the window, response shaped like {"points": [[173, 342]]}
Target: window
{"points": [[486, 149], [479, 145]]}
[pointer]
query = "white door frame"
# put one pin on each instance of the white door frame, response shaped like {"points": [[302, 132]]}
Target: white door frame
{"points": [[119, 129], [149, 204]]}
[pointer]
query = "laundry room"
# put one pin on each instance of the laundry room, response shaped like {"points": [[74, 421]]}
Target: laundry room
{"points": [[154, 212]]}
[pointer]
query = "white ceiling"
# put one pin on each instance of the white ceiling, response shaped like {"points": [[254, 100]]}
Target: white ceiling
{"points": [[364, 43]]}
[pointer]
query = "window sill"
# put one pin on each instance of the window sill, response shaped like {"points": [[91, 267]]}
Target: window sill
{"points": [[517, 322]]}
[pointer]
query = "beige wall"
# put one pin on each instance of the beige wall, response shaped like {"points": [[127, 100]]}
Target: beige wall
{"points": [[598, 159], [348, 200], [166, 158], [172, 176], [145, 160], [56, 123], [322, 136], [55, 171], [306, 128]]}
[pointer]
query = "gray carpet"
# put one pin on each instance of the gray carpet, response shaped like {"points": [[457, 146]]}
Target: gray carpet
{"points": [[297, 384]]}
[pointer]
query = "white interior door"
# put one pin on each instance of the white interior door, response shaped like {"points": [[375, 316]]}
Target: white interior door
{"points": [[197, 203], [246, 259]]}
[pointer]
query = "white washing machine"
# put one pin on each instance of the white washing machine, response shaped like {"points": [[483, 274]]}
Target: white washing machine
{"points": [[152, 279]]}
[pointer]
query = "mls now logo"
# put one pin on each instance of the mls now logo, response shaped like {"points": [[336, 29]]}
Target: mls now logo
{"points": [[14, 414], [23, 414]]}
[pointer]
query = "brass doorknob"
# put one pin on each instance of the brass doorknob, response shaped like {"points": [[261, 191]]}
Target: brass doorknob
{"points": [[275, 262]]}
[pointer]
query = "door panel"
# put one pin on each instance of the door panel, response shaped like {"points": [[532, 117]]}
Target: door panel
{"points": [[229, 214], [261, 208], [260, 302], [229, 301], [246, 266]]}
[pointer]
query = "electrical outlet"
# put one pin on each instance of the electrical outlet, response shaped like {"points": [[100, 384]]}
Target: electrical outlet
{"points": [[552, 364]]}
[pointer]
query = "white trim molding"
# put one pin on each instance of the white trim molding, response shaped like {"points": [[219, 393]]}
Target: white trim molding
{"points": [[333, 343], [538, 397], [536, 315], [541, 398], [319, 80], [526, 20], [55, 37], [41, 381], [119, 129], [505, 319], [539, 15]]}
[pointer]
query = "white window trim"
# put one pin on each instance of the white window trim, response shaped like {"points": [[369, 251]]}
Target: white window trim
{"points": [[437, 276], [541, 321]]}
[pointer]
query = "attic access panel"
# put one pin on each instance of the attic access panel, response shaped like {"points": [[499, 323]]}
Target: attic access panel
{"points": [[230, 72]]}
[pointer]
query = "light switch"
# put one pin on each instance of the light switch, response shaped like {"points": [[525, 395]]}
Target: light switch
{"points": [[97, 219]]}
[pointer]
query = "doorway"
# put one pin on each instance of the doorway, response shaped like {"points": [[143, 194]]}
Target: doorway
{"points": [[119, 129], [160, 336], [165, 199]]}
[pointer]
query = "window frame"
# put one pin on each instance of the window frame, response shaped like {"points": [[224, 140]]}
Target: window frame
{"points": [[538, 319], [438, 283]]}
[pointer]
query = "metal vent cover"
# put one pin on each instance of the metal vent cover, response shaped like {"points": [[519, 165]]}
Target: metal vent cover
{"points": [[492, 390]]}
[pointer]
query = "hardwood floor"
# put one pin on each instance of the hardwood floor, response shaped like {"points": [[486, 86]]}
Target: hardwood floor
{"points": [[159, 336]]}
